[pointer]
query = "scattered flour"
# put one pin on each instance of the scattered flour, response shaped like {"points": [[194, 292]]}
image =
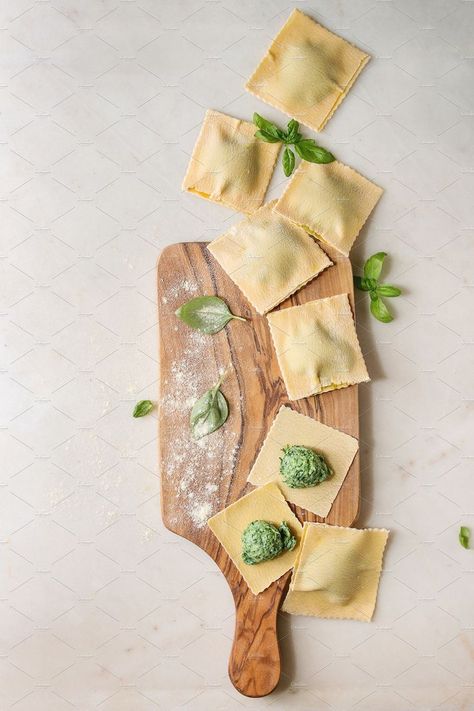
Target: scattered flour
{"points": [[180, 290], [195, 469], [200, 513]]}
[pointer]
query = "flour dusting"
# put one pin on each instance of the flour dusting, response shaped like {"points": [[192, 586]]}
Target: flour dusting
{"points": [[195, 469]]}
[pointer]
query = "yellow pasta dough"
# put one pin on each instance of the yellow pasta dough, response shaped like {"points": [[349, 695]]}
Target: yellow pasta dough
{"points": [[229, 165], [331, 201], [307, 71], [268, 257], [293, 428], [268, 504], [337, 572], [316, 346]]}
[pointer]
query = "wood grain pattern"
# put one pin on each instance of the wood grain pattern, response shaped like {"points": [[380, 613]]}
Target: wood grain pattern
{"points": [[255, 393]]}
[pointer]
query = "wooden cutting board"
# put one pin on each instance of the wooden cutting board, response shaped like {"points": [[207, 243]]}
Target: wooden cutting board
{"points": [[200, 479]]}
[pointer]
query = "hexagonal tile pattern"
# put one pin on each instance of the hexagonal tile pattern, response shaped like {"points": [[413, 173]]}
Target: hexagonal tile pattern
{"points": [[129, 141], [143, 28], [43, 655], [28, 28], [128, 657], [42, 600], [170, 628], [42, 427], [84, 513], [42, 370], [127, 599], [399, 656], [16, 455], [43, 541], [98, 685], [86, 57], [85, 228], [434, 628], [128, 85], [139, 541], [85, 171], [42, 85], [101, 607], [42, 485], [101, 570], [85, 628], [128, 484], [426, 57], [168, 675], [85, 285]]}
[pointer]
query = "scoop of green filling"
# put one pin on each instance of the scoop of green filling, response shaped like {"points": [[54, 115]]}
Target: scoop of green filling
{"points": [[301, 467], [262, 540]]}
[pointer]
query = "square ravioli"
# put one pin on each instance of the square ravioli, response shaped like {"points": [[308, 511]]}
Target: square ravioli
{"points": [[229, 165], [307, 71], [337, 572], [268, 257], [268, 504], [316, 346], [331, 201], [293, 428]]}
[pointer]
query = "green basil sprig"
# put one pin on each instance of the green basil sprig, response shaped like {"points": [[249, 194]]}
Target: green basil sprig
{"points": [[464, 535], [142, 408], [370, 282], [209, 412], [208, 314], [306, 148]]}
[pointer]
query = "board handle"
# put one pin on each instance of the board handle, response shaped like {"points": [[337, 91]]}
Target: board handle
{"points": [[254, 664]]}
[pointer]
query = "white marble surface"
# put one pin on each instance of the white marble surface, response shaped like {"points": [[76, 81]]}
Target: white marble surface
{"points": [[101, 101]]}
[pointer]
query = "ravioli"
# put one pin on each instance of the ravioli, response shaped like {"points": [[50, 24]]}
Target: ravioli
{"points": [[268, 257], [337, 572], [307, 71], [267, 504], [317, 347], [291, 427], [229, 165], [331, 201]]}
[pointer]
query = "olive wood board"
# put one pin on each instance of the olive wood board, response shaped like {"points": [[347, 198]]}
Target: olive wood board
{"points": [[196, 486]]}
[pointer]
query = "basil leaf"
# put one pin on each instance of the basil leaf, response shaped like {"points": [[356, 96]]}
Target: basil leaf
{"points": [[268, 128], [464, 535], [373, 266], [209, 412], [288, 161], [361, 283], [366, 284], [142, 408], [388, 290], [308, 150], [208, 314], [379, 310], [267, 137], [292, 135]]}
